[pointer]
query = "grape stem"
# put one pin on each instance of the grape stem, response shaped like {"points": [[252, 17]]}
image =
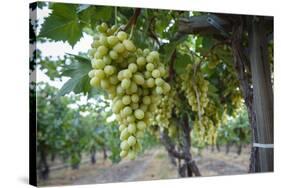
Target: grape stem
{"points": [[196, 91], [115, 12], [133, 19], [151, 28], [132, 31]]}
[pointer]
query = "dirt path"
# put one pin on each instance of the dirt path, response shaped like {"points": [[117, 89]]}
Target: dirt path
{"points": [[219, 163], [151, 165], [124, 171]]}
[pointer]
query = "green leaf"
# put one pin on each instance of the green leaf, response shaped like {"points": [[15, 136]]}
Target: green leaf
{"points": [[181, 62], [207, 44], [103, 13], [80, 82], [81, 59], [140, 39], [86, 14], [78, 71], [63, 24], [168, 48]]}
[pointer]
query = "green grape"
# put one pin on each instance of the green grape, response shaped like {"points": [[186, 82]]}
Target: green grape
{"points": [[141, 125], [135, 98], [126, 100], [119, 48], [122, 35], [134, 80], [150, 67], [123, 153], [125, 84], [138, 79], [113, 80], [127, 111], [159, 90], [112, 40], [146, 100], [122, 127], [129, 45], [107, 60], [132, 155], [141, 61], [156, 73], [109, 70], [150, 83], [95, 82], [102, 50], [99, 74], [139, 114], [124, 145], [131, 141], [127, 73], [104, 84], [154, 55], [159, 81], [132, 128], [133, 67], [91, 74], [113, 55]]}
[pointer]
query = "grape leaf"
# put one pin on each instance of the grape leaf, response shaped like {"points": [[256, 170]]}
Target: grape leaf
{"points": [[63, 24], [79, 82], [181, 62], [103, 13]]}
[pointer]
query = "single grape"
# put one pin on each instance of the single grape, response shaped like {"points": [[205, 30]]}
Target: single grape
{"points": [[156, 73], [125, 84], [109, 70], [139, 114], [131, 141], [141, 125], [141, 61], [126, 100], [133, 67], [129, 45], [122, 35]]}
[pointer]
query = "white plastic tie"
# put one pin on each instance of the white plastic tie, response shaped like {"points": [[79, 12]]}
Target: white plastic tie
{"points": [[258, 145]]}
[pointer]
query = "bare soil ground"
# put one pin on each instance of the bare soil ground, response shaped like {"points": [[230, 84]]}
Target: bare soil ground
{"points": [[151, 165]]}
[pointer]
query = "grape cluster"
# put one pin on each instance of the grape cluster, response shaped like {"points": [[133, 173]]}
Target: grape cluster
{"points": [[196, 88], [133, 79], [164, 112]]}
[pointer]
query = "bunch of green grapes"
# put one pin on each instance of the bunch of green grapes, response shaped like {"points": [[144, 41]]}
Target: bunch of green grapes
{"points": [[195, 88], [202, 129], [133, 79], [164, 111], [166, 107]]}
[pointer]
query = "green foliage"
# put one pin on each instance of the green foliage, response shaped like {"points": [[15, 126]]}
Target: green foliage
{"points": [[236, 130], [63, 130], [180, 63], [79, 81], [63, 24]]}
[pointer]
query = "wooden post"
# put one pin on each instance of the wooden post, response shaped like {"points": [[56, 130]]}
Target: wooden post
{"points": [[262, 92]]}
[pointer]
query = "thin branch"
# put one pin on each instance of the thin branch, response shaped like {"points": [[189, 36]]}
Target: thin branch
{"points": [[171, 66], [133, 19], [151, 28]]}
